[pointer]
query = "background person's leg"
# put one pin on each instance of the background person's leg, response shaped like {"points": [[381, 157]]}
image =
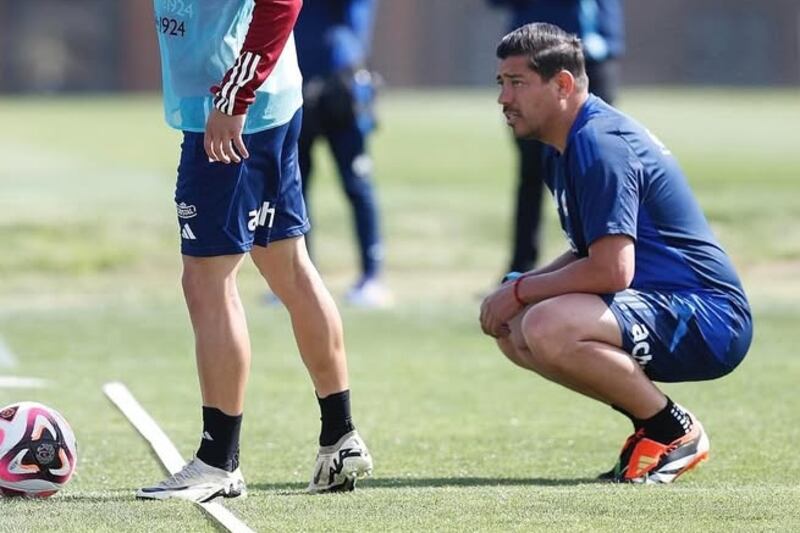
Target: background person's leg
{"points": [[305, 143], [355, 170], [528, 207], [604, 79]]}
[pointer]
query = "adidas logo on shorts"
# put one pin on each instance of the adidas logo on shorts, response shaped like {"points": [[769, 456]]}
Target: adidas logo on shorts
{"points": [[187, 233]]}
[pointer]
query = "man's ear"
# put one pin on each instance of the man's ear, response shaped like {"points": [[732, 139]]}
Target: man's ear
{"points": [[566, 83]]}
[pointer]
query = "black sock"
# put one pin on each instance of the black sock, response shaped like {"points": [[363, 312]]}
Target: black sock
{"points": [[336, 420], [219, 445], [669, 424], [637, 422]]}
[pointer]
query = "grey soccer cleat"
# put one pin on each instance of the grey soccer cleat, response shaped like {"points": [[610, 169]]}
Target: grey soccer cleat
{"points": [[197, 482]]}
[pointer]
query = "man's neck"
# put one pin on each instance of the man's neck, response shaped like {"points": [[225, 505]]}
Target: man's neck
{"points": [[566, 120]]}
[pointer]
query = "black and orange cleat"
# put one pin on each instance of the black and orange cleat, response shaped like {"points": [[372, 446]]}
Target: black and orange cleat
{"points": [[624, 457], [648, 461]]}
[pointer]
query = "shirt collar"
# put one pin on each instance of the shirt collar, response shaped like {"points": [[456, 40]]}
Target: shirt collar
{"points": [[583, 117]]}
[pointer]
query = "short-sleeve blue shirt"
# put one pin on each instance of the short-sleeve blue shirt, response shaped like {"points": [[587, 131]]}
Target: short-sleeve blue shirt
{"points": [[616, 178]]}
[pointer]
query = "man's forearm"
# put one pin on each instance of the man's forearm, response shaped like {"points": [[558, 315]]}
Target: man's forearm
{"points": [[574, 275], [556, 264]]}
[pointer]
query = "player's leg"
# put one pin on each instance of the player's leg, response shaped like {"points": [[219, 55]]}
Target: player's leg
{"points": [[317, 325], [515, 348], [576, 337], [528, 206], [676, 337], [309, 131], [213, 244], [355, 168], [222, 344], [282, 258], [318, 332], [575, 340]]}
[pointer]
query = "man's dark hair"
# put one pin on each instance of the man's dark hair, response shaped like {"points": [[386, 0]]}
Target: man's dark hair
{"points": [[549, 50]]}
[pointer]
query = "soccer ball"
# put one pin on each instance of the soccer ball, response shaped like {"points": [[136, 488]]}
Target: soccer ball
{"points": [[38, 451]]}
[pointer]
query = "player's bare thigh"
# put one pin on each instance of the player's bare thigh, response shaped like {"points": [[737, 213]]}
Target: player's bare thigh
{"points": [[553, 324], [200, 273]]}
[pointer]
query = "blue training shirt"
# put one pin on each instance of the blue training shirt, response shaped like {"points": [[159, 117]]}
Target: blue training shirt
{"points": [[199, 41], [616, 178]]}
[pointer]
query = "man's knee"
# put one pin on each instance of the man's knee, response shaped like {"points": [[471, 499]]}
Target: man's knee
{"points": [[546, 332], [516, 348], [208, 279], [288, 270]]}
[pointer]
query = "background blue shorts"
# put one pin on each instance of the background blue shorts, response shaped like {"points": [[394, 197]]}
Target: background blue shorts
{"points": [[225, 209], [681, 336]]}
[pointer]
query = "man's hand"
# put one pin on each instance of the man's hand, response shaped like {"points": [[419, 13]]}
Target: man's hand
{"points": [[223, 139], [497, 309]]}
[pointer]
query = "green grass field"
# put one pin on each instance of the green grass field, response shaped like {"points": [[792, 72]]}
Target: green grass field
{"points": [[462, 439]]}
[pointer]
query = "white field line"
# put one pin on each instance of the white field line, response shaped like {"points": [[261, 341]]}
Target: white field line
{"points": [[13, 382], [166, 451], [7, 358]]}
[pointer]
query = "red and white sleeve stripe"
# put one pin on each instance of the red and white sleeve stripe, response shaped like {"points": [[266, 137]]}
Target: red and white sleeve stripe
{"points": [[272, 23]]}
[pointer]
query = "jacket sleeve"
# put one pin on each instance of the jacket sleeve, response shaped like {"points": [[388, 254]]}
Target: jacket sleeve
{"points": [[270, 27]]}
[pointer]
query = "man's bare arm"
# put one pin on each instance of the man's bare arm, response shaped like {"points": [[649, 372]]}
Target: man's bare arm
{"points": [[608, 268]]}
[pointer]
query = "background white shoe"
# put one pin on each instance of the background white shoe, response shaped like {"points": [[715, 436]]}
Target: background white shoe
{"points": [[198, 482], [339, 466], [370, 293]]}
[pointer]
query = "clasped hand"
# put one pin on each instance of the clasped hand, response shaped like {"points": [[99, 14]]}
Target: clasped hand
{"points": [[497, 309]]}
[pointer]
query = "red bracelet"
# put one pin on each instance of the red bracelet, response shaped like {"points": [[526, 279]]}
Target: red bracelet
{"points": [[519, 300]]}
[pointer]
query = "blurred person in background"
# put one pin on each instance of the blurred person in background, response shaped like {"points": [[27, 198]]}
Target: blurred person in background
{"points": [[645, 293], [238, 193], [333, 47], [600, 26]]}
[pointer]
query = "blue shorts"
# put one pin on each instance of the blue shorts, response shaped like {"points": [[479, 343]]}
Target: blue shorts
{"points": [[225, 209], [682, 336]]}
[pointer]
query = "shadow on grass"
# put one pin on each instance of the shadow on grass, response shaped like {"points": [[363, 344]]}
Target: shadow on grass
{"points": [[397, 482]]}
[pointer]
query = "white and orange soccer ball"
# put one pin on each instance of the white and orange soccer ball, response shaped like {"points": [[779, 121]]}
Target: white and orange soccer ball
{"points": [[38, 451]]}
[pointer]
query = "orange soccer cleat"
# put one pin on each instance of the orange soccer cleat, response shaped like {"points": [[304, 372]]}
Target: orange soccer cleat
{"points": [[648, 461]]}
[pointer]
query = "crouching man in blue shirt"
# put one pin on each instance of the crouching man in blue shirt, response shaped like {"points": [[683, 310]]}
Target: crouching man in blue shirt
{"points": [[645, 293]]}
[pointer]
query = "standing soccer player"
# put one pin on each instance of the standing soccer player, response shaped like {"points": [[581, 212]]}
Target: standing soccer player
{"points": [[238, 192], [645, 292]]}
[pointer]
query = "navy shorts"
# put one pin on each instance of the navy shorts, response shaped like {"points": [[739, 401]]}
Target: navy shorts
{"points": [[682, 336], [225, 209]]}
